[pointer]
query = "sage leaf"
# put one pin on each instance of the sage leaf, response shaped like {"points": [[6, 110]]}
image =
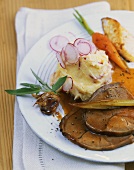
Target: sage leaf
{"points": [[46, 88], [35, 88], [31, 85], [59, 83], [23, 91], [38, 78]]}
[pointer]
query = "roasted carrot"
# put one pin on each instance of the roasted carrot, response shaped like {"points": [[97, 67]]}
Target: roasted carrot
{"points": [[103, 43]]}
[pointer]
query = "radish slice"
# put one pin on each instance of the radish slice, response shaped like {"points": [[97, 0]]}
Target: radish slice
{"points": [[84, 46], [58, 42], [93, 48], [68, 84], [63, 54], [58, 56], [71, 53]]}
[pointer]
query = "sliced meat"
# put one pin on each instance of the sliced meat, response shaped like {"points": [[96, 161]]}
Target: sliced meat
{"points": [[111, 91], [117, 122], [73, 127], [114, 122], [107, 92]]}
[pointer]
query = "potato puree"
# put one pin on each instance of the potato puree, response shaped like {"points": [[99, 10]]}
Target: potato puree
{"points": [[90, 73]]}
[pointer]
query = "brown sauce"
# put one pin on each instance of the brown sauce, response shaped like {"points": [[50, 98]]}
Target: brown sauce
{"points": [[65, 99], [118, 76], [58, 116]]}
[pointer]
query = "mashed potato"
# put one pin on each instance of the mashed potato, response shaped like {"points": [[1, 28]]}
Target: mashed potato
{"points": [[89, 74]]}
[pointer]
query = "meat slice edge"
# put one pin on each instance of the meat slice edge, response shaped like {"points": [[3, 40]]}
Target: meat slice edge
{"points": [[111, 91], [73, 127], [113, 122]]}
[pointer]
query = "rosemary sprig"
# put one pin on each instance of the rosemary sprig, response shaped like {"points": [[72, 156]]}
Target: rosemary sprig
{"points": [[35, 88]]}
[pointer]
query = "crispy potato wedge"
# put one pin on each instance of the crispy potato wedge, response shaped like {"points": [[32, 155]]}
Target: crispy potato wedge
{"points": [[120, 37]]}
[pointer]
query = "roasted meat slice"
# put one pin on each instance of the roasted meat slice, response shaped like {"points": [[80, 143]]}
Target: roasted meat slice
{"points": [[114, 91], [71, 120], [73, 127], [111, 91], [114, 122], [117, 122]]}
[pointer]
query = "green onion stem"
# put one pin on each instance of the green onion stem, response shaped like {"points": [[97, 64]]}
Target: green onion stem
{"points": [[83, 22]]}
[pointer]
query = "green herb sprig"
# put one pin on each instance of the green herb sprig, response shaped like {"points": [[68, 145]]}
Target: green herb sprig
{"points": [[35, 88], [83, 22]]}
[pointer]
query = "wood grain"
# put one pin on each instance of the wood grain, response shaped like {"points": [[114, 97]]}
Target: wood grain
{"points": [[8, 51]]}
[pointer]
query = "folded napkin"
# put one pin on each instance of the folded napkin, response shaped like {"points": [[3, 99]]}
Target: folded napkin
{"points": [[29, 151]]}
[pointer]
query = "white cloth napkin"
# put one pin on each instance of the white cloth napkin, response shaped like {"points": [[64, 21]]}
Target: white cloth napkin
{"points": [[30, 152]]}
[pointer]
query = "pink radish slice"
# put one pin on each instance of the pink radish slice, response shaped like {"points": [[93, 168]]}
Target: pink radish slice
{"points": [[84, 46], [63, 54], [58, 56], [71, 53], [68, 84], [93, 48], [58, 42]]}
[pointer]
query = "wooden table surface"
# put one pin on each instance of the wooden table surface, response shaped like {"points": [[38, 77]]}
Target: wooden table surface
{"points": [[8, 50]]}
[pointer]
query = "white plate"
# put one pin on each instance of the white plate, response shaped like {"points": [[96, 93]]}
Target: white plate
{"points": [[42, 60]]}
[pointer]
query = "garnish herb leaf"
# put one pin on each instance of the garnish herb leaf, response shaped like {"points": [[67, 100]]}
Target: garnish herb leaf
{"points": [[46, 88], [35, 88], [59, 83], [31, 85], [23, 91], [38, 78]]}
